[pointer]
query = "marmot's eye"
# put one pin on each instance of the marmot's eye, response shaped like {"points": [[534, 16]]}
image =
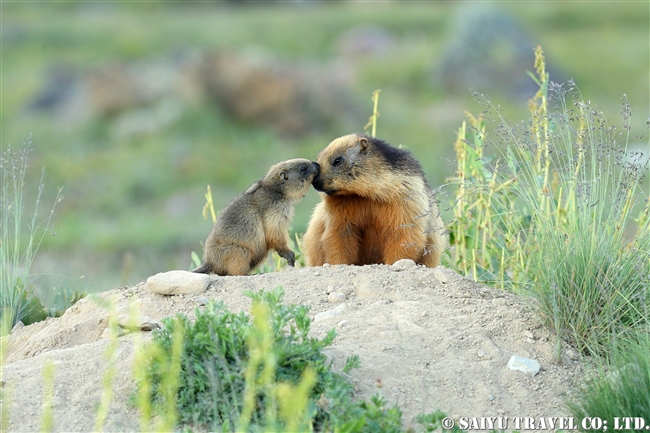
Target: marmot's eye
{"points": [[303, 167], [337, 161]]}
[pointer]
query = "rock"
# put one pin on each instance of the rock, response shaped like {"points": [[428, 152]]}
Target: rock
{"points": [[342, 323], [365, 41], [202, 300], [403, 264], [525, 365], [19, 325], [106, 335], [178, 282], [440, 275], [572, 354], [326, 315], [481, 354], [499, 301], [294, 98], [337, 297], [345, 290], [489, 51], [143, 323]]}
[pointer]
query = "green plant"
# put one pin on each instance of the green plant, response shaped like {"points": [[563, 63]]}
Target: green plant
{"points": [[552, 214], [619, 391], [64, 298], [219, 348], [19, 243]]}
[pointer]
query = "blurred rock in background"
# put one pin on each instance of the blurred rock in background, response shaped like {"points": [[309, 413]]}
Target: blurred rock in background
{"points": [[141, 97], [294, 97], [365, 41], [489, 51]]}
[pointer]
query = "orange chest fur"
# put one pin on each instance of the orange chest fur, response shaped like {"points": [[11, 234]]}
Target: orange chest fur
{"points": [[362, 215]]}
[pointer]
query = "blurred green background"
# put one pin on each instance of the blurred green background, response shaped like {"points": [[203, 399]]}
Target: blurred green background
{"points": [[134, 108]]}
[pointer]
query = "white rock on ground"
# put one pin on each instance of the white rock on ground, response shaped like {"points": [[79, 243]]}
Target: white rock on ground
{"points": [[336, 297], [403, 264], [525, 365], [440, 275], [178, 282]]}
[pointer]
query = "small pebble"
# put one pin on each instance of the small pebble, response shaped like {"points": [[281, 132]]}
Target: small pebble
{"points": [[346, 290], [403, 264], [440, 275], [522, 364], [325, 315], [336, 297], [19, 325], [201, 300]]}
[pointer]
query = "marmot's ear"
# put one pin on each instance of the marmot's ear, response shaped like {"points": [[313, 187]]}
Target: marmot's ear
{"points": [[363, 144], [284, 175]]}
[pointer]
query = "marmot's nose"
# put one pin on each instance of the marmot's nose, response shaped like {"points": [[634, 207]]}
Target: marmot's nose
{"points": [[317, 167]]}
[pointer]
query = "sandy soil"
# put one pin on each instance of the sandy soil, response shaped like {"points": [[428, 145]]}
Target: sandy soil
{"points": [[423, 344]]}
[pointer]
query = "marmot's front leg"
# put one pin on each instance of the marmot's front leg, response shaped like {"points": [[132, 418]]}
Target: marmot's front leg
{"points": [[404, 243], [341, 246], [312, 240], [288, 255]]}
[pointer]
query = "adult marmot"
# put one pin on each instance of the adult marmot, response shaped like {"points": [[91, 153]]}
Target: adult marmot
{"points": [[258, 220], [376, 207]]}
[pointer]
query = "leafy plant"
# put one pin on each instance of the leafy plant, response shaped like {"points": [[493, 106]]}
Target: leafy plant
{"points": [[222, 356], [64, 298]]}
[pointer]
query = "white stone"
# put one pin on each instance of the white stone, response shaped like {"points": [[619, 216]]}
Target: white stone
{"points": [[337, 297], [346, 290], [326, 315], [178, 282], [143, 323], [440, 275], [525, 365], [403, 264]]}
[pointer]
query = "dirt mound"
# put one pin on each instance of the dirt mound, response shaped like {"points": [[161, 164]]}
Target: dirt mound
{"points": [[423, 344]]}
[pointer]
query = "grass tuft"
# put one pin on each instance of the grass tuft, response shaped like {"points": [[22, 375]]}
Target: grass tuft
{"points": [[20, 238], [552, 214], [619, 391]]}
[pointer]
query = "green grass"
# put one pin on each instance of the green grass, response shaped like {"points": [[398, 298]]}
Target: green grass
{"points": [[621, 386], [560, 213], [21, 235]]}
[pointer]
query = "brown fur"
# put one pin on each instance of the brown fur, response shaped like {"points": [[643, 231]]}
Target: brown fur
{"points": [[258, 220], [376, 207]]}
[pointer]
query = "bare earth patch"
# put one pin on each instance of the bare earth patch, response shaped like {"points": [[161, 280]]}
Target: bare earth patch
{"points": [[423, 344]]}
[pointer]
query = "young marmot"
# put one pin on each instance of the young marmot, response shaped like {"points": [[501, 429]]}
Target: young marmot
{"points": [[258, 220], [376, 207]]}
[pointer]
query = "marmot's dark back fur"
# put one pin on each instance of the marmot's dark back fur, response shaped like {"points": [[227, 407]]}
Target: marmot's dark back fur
{"points": [[376, 207], [258, 220]]}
